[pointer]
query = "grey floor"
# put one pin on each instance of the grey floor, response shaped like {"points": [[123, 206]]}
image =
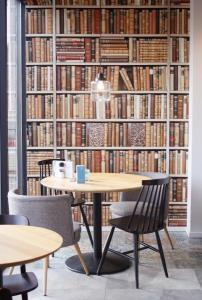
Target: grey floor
{"points": [[184, 267]]}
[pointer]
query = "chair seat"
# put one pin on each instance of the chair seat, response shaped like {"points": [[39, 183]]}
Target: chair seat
{"points": [[20, 283], [77, 231], [122, 209], [137, 225]]}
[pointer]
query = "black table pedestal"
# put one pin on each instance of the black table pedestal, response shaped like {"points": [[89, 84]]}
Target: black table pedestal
{"points": [[114, 263]]}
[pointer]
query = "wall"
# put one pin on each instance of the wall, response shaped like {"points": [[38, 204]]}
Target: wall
{"points": [[194, 228]]}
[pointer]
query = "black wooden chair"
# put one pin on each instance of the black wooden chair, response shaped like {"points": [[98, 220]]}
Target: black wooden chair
{"points": [[45, 171], [147, 217], [18, 284], [5, 294]]}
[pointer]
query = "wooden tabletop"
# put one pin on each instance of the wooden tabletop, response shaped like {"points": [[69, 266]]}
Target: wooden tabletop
{"points": [[23, 244], [97, 183]]}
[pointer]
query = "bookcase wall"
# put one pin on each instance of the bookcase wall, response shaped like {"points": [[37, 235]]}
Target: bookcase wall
{"points": [[142, 47]]}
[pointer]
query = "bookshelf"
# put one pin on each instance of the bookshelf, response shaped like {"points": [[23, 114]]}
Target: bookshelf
{"points": [[144, 127]]}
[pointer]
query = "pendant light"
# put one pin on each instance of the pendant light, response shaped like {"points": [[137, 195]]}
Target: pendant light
{"points": [[100, 87]]}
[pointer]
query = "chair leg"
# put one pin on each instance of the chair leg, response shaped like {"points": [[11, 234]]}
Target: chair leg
{"points": [[11, 270], [86, 224], [81, 258], [24, 296], [106, 247], [169, 238], [136, 256], [161, 253], [45, 269]]}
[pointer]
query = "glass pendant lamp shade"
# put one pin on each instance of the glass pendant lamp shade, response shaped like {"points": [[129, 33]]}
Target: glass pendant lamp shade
{"points": [[100, 89]]}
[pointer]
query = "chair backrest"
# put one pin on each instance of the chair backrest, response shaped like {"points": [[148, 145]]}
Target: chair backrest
{"points": [[52, 212], [45, 167], [150, 210], [5, 294], [133, 195], [13, 220]]}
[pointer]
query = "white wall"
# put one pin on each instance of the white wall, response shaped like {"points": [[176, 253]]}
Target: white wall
{"points": [[194, 227]]}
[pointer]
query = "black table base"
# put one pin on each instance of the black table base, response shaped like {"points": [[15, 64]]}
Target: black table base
{"points": [[114, 263]]}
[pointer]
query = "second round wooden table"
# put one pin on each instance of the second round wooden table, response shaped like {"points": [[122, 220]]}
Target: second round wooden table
{"points": [[97, 184]]}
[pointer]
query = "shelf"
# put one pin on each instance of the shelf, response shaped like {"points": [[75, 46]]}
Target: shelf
{"points": [[120, 148], [111, 120], [111, 35], [113, 6], [33, 176], [39, 6], [40, 120], [39, 35], [39, 63], [114, 92], [109, 64], [39, 148], [39, 92]]}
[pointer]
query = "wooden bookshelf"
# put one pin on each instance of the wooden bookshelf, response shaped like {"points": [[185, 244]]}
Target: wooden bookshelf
{"points": [[166, 104]]}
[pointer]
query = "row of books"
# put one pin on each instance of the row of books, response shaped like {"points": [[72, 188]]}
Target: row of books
{"points": [[39, 49], [120, 21], [39, 78], [33, 187], [77, 49], [179, 78], [148, 106], [178, 190], [179, 134], [38, 2], [40, 134], [32, 160], [119, 161], [78, 134], [179, 21], [178, 162], [112, 21], [180, 50], [79, 21], [150, 50], [129, 106], [102, 49], [133, 2], [103, 160], [114, 50], [127, 78], [134, 21], [39, 106], [177, 215], [39, 21], [118, 2], [179, 106], [77, 2]]}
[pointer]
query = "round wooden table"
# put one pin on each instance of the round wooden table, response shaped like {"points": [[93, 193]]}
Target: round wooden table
{"points": [[25, 244], [97, 184]]}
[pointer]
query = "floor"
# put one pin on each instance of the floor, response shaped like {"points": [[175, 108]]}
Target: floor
{"points": [[184, 266]]}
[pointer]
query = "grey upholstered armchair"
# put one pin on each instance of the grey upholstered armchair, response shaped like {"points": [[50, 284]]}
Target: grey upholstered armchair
{"points": [[52, 212], [128, 201]]}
